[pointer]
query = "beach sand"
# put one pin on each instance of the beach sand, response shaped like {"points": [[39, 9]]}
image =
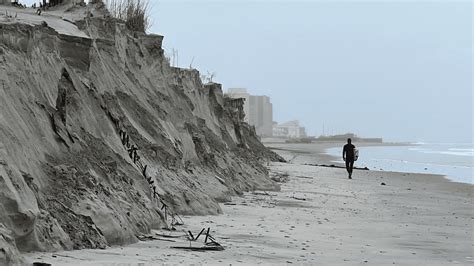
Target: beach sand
{"points": [[319, 218]]}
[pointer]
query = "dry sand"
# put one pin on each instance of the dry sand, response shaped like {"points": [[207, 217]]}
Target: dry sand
{"points": [[320, 217]]}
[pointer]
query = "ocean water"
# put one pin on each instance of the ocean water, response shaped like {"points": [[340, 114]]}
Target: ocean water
{"points": [[454, 160]]}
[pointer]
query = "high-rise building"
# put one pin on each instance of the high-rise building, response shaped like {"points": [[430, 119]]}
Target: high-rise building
{"points": [[261, 110], [258, 111]]}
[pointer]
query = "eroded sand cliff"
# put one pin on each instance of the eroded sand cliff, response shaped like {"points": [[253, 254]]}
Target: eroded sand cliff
{"points": [[73, 83]]}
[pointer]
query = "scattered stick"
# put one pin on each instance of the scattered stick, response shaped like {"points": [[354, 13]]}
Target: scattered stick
{"points": [[151, 238], [296, 198], [168, 236], [191, 238], [200, 233], [207, 234], [205, 248]]}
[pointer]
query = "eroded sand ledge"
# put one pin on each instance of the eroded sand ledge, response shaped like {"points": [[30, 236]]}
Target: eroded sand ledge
{"points": [[413, 220], [81, 95]]}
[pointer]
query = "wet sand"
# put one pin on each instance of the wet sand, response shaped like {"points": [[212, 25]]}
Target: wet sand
{"points": [[320, 218]]}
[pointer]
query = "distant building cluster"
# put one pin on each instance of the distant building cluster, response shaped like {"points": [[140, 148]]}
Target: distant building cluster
{"points": [[258, 111], [352, 136], [290, 130]]}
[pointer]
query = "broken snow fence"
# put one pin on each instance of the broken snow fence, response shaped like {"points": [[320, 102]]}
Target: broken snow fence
{"points": [[210, 243], [132, 150]]}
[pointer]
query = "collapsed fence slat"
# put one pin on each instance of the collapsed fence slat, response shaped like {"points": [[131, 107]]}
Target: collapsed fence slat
{"points": [[202, 231], [207, 234]]}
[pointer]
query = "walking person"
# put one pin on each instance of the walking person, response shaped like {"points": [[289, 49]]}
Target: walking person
{"points": [[348, 155]]}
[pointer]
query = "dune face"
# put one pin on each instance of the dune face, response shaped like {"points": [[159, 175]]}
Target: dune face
{"points": [[69, 91]]}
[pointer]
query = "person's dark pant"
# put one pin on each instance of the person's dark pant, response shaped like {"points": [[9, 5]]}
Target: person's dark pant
{"points": [[349, 166]]}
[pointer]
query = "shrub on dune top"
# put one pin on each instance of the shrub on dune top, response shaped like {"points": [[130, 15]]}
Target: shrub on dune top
{"points": [[135, 13]]}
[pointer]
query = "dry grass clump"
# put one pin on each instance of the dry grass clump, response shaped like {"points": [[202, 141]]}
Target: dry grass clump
{"points": [[135, 13]]}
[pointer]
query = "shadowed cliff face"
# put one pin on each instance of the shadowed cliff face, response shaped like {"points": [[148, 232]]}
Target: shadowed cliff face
{"points": [[67, 179]]}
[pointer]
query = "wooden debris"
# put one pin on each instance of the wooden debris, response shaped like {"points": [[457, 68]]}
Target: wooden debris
{"points": [[168, 236], [296, 198], [207, 234], [199, 234], [151, 237], [203, 248]]}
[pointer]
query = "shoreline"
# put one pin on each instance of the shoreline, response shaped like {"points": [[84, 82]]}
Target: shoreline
{"points": [[291, 151], [320, 217]]}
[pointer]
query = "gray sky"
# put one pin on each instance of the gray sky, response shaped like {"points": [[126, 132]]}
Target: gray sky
{"points": [[399, 70]]}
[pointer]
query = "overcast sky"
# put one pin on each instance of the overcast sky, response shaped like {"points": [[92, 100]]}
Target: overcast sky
{"points": [[401, 70]]}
